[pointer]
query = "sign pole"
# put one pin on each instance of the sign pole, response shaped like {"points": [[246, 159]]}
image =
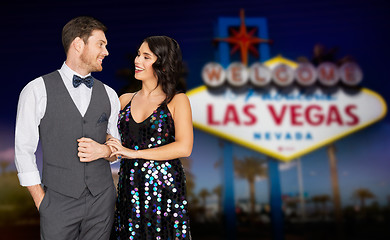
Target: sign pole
{"points": [[335, 189], [275, 200], [301, 190], [229, 208]]}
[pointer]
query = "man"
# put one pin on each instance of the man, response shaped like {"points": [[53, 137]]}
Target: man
{"points": [[72, 114]]}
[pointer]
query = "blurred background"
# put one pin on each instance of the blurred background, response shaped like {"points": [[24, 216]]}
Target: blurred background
{"points": [[31, 46]]}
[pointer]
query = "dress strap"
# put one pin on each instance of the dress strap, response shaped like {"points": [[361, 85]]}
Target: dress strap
{"points": [[133, 96], [129, 103]]}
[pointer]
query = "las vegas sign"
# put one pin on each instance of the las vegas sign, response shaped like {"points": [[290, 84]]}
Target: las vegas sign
{"points": [[283, 124]]}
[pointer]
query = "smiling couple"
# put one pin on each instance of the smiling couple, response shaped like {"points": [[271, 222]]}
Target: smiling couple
{"points": [[83, 126]]}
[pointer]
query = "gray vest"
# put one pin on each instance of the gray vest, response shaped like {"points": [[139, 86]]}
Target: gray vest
{"points": [[59, 130]]}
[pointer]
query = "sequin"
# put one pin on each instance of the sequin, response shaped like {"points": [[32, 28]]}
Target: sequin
{"points": [[151, 201]]}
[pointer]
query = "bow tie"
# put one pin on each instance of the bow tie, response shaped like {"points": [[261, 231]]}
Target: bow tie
{"points": [[88, 81]]}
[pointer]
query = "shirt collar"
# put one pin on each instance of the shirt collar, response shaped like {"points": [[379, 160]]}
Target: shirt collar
{"points": [[68, 72]]}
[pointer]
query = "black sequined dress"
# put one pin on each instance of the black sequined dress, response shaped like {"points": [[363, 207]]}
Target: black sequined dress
{"points": [[151, 200]]}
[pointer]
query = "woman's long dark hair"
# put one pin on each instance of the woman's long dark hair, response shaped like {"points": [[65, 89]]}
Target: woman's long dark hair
{"points": [[168, 66]]}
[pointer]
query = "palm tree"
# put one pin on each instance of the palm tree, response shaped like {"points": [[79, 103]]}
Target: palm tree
{"points": [[320, 55], [250, 168], [203, 194], [190, 182], [362, 194], [324, 199], [316, 202], [321, 199], [388, 201], [218, 191], [4, 164], [335, 181]]}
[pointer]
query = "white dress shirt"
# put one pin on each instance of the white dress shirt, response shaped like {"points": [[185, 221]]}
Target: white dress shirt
{"points": [[31, 109]]}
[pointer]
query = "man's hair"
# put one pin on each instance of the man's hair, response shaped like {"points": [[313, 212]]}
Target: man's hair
{"points": [[81, 27]]}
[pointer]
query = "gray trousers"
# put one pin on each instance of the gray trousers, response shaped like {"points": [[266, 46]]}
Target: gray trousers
{"points": [[87, 218]]}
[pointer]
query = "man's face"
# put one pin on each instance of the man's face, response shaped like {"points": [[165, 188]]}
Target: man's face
{"points": [[94, 52]]}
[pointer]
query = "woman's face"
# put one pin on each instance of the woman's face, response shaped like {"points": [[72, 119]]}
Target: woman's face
{"points": [[143, 63]]}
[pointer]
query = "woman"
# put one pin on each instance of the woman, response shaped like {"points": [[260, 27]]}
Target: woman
{"points": [[155, 124]]}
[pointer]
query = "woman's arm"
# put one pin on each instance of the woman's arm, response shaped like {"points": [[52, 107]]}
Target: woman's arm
{"points": [[124, 100], [110, 157], [180, 109]]}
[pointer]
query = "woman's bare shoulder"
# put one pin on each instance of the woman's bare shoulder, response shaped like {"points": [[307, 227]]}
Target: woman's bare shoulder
{"points": [[179, 103], [180, 97], [125, 99]]}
